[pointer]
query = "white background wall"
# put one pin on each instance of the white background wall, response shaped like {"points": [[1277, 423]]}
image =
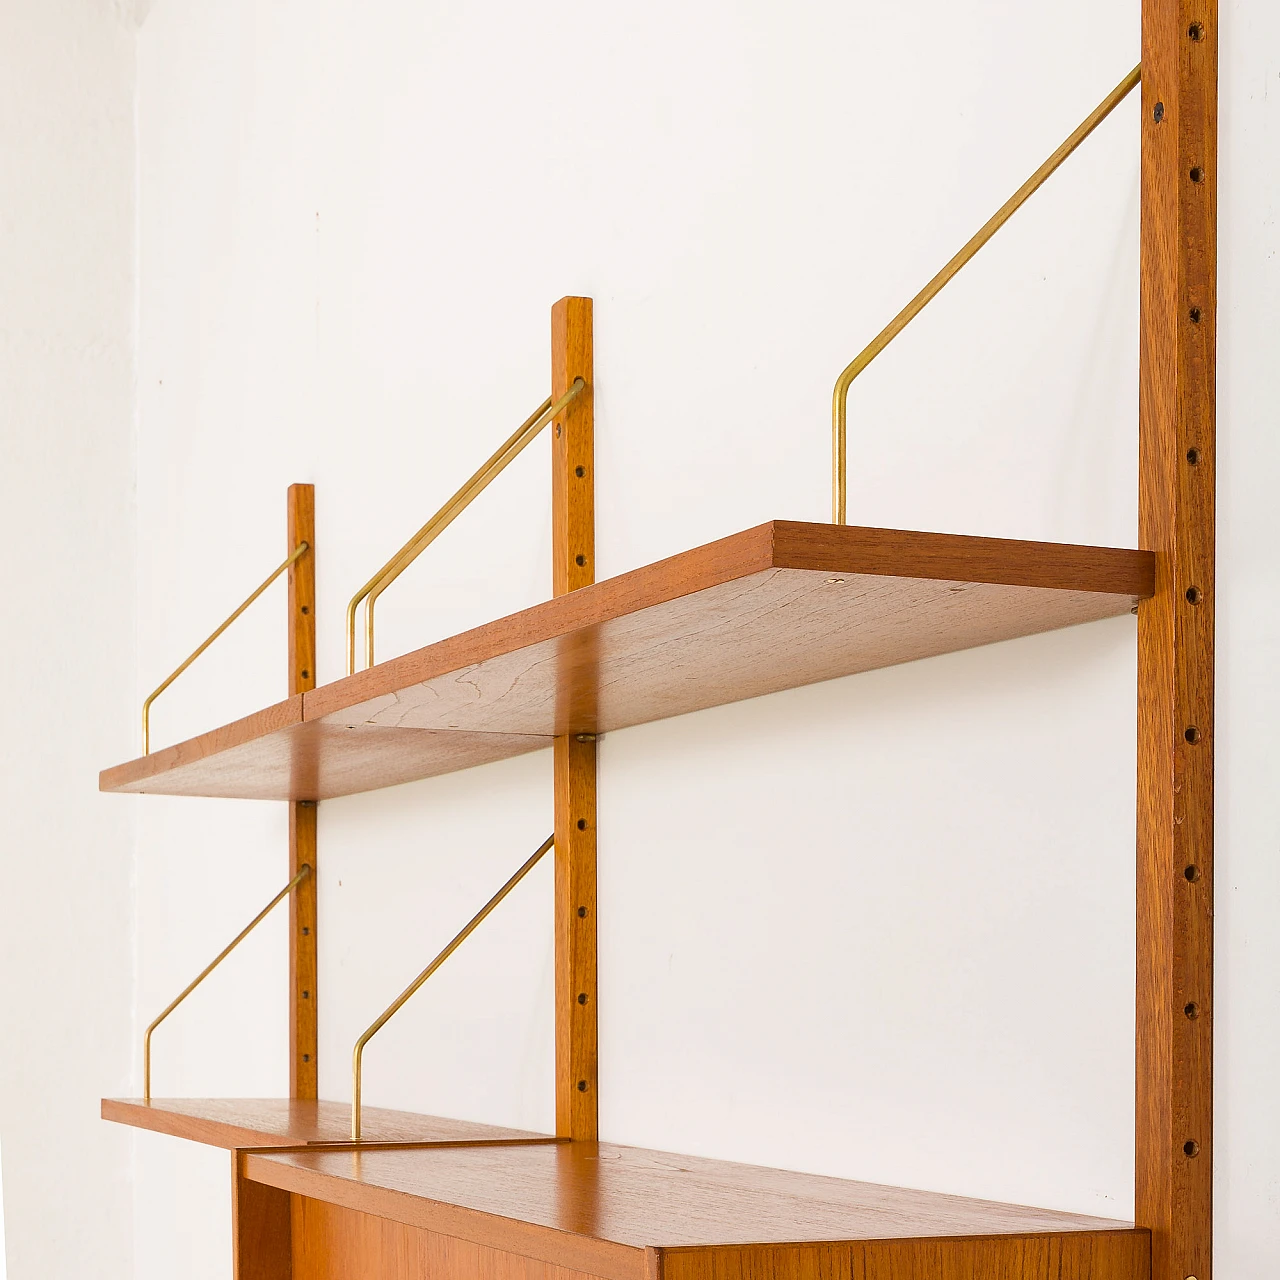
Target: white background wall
{"points": [[881, 928], [67, 580]]}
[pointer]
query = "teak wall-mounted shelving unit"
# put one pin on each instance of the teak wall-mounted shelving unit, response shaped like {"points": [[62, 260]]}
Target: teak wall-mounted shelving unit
{"points": [[326, 1189]]}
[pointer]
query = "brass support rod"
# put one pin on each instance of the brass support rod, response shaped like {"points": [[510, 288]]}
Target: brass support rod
{"points": [[357, 1054], [208, 969], [839, 409], [506, 454], [168, 680]]}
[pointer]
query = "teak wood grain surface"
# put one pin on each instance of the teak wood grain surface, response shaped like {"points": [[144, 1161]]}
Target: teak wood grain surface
{"points": [[332, 1242], [776, 607], [1174, 1104], [261, 1228], [293, 1122], [604, 1209], [304, 998]]}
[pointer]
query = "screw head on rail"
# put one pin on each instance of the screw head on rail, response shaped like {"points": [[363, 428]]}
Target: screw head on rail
{"points": [[1158, 114]]}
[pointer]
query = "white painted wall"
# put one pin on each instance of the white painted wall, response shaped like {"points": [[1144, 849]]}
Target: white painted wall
{"points": [[1247, 883], [67, 275], [880, 928]]}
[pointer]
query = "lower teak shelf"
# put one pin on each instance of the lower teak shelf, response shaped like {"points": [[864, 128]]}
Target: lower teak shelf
{"points": [[461, 1201]]}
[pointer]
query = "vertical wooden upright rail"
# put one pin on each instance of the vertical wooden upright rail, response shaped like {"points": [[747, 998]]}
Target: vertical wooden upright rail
{"points": [[573, 549], [1174, 1166], [303, 1064], [261, 1216]]}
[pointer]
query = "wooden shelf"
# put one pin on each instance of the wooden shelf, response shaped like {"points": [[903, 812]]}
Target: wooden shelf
{"points": [[237, 1123], [628, 1214], [775, 607]]}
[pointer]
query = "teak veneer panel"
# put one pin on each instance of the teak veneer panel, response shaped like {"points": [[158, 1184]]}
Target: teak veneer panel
{"points": [[1109, 1255], [261, 1228], [599, 1208], [330, 1242], [751, 614], [293, 1122]]}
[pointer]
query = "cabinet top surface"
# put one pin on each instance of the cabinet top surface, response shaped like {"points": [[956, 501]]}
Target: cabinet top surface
{"points": [[635, 1198]]}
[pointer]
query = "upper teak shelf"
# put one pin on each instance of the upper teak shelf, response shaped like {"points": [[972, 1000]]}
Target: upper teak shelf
{"points": [[775, 607]]}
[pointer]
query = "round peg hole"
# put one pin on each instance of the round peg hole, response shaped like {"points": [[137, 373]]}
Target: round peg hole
{"points": [[580, 560], [1189, 1148], [1197, 174], [1191, 873], [1191, 734], [306, 608], [1195, 32], [582, 911], [1196, 315], [579, 472], [582, 997], [1158, 113], [1193, 456], [582, 1086], [1192, 1010], [582, 824], [1193, 595], [306, 675]]}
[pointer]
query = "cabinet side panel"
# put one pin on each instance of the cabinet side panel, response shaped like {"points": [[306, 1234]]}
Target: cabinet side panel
{"points": [[261, 1228]]}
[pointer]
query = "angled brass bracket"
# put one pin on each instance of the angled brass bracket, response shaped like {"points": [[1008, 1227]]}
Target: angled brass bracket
{"points": [[511, 449], [208, 969], [839, 408], [357, 1054], [298, 551]]}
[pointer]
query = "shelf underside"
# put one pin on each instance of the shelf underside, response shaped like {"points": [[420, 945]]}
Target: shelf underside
{"points": [[775, 607]]}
